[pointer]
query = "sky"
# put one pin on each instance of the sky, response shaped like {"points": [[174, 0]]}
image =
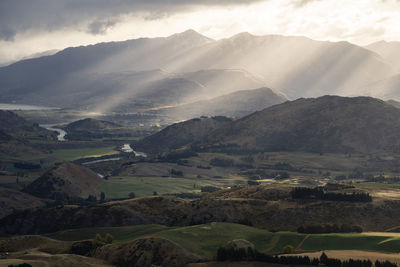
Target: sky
{"points": [[32, 26]]}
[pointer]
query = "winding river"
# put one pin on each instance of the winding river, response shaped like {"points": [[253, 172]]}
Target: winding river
{"points": [[61, 133]]}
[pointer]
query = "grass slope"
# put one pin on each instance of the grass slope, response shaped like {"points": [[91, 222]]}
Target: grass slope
{"points": [[207, 238]]}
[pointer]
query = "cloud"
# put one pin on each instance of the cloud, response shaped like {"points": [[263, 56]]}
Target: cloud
{"points": [[100, 27], [301, 3], [94, 16]]}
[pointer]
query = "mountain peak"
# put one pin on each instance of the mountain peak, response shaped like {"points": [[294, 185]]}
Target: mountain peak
{"points": [[191, 35]]}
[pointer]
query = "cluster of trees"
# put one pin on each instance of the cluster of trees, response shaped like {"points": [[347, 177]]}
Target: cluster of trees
{"points": [[242, 254], [176, 173], [64, 199], [99, 241], [27, 166], [319, 193], [283, 166], [324, 229], [176, 156]]}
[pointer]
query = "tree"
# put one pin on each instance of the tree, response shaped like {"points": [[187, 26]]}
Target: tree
{"points": [[288, 249], [323, 259], [132, 195], [109, 238], [97, 241]]}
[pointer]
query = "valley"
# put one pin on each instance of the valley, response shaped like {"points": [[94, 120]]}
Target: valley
{"points": [[188, 151]]}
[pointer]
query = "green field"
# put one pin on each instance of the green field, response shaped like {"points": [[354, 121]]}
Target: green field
{"points": [[120, 234], [206, 239], [120, 187]]}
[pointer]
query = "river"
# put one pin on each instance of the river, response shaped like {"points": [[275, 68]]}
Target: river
{"points": [[128, 149], [61, 133]]}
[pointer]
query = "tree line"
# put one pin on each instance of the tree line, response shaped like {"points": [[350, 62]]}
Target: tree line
{"points": [[231, 253], [327, 228], [320, 194]]}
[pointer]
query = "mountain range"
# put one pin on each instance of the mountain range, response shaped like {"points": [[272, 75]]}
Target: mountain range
{"points": [[144, 73]]}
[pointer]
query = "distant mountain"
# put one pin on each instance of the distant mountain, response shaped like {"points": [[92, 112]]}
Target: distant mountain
{"points": [[66, 180], [237, 104], [325, 124], [298, 66], [105, 75], [394, 103], [385, 89], [181, 134], [390, 51]]}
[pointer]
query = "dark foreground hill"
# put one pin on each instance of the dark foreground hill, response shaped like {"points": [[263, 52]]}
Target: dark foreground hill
{"points": [[66, 180], [325, 124], [262, 207], [181, 134]]}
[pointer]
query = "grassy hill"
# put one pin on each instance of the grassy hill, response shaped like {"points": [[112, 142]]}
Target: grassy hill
{"points": [[325, 124], [205, 239], [66, 180]]}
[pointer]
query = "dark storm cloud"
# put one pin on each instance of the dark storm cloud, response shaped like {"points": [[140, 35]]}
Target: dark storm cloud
{"points": [[94, 16]]}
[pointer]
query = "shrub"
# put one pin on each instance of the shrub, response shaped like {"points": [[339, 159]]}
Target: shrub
{"points": [[288, 249], [109, 238]]}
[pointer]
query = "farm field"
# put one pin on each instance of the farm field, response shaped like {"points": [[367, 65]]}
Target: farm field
{"points": [[122, 186]]}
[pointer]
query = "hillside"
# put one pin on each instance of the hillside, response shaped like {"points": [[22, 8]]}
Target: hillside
{"points": [[90, 124], [84, 76], [15, 134], [15, 125], [260, 206], [325, 124], [180, 134], [237, 104], [66, 180], [11, 200]]}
